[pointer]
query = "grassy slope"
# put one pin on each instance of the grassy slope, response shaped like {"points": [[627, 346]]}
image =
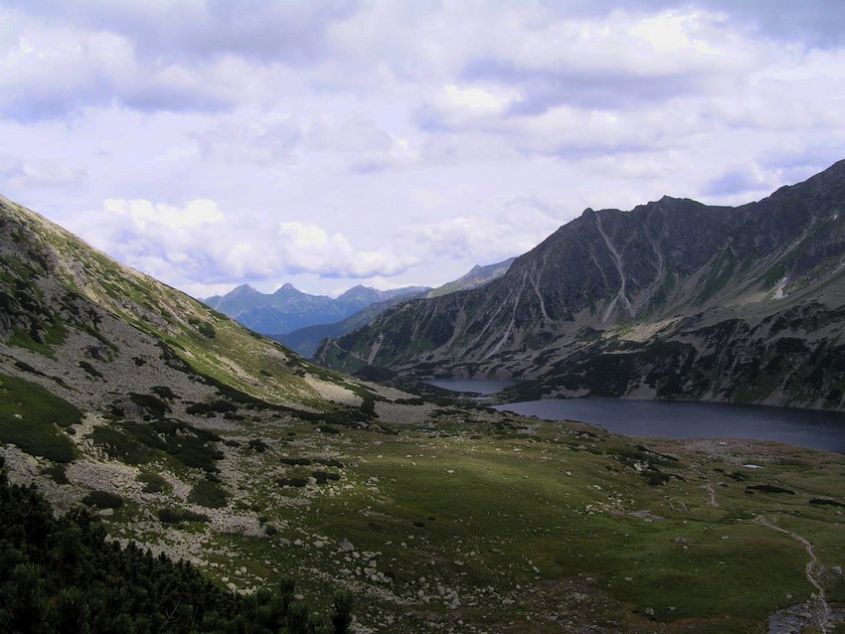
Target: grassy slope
{"points": [[232, 355]]}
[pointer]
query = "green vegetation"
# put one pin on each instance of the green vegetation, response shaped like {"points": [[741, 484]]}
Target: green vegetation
{"points": [[103, 500], [53, 335], [153, 483], [32, 418], [152, 406], [208, 494], [61, 575], [120, 446], [720, 274], [507, 511], [189, 446], [57, 471], [178, 516], [91, 370]]}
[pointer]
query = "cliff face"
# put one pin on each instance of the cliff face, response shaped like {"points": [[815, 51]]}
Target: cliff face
{"points": [[672, 299]]}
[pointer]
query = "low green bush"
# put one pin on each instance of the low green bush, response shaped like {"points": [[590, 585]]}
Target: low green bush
{"points": [[120, 446], [153, 482], [178, 516], [103, 500], [31, 418], [208, 494]]}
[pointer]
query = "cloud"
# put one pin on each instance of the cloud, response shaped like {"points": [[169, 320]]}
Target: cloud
{"points": [[521, 225], [49, 173], [173, 56], [147, 216], [195, 30], [736, 181], [311, 249], [201, 243], [273, 141]]}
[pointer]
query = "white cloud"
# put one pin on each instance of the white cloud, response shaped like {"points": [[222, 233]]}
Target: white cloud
{"points": [[147, 216], [398, 142]]}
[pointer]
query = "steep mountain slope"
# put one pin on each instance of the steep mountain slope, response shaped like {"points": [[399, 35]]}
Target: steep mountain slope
{"points": [[673, 299], [288, 309], [307, 340], [80, 319], [477, 276]]}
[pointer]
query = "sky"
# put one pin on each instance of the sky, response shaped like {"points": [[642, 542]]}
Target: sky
{"points": [[211, 143]]}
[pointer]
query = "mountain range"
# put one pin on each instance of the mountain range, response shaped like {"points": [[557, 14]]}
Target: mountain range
{"points": [[307, 340], [673, 299], [288, 309]]}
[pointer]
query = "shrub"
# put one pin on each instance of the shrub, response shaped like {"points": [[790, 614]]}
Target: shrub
{"points": [[324, 476], [329, 462], [207, 330], [296, 461], [342, 612], [29, 416], [258, 445], [116, 444], [164, 392], [368, 406], [217, 406], [103, 500], [208, 494], [150, 404], [90, 369], [191, 446], [293, 482], [177, 516], [58, 473], [153, 483]]}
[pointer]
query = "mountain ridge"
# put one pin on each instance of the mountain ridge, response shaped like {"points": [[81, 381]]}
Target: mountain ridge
{"points": [[572, 305], [307, 340], [287, 308]]}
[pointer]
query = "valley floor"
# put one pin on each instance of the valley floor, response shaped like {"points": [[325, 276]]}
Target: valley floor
{"points": [[479, 522]]}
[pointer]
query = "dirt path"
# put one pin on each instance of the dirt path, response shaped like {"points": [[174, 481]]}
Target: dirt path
{"points": [[711, 495], [822, 611]]}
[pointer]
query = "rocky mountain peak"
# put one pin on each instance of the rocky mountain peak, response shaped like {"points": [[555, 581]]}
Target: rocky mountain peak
{"points": [[611, 271]]}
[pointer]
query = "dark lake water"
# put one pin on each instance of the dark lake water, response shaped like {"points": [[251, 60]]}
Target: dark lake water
{"points": [[802, 428], [479, 386]]}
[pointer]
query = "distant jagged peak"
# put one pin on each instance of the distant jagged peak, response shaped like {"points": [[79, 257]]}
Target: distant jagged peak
{"points": [[288, 289], [244, 289], [358, 289]]}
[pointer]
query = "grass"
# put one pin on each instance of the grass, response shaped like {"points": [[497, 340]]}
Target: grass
{"points": [[469, 511], [32, 418], [56, 334]]}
